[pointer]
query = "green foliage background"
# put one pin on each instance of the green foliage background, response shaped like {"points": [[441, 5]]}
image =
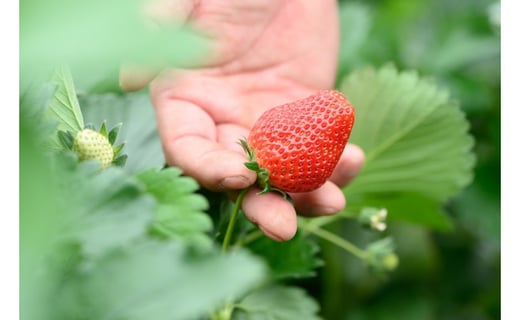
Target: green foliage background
{"points": [[114, 225], [442, 275]]}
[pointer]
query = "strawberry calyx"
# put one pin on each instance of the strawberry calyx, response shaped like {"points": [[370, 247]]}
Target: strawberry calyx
{"points": [[261, 173]]}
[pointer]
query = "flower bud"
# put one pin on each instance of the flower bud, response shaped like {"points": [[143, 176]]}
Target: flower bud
{"points": [[381, 256], [373, 218]]}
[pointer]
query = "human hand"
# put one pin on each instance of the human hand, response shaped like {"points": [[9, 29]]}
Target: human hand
{"points": [[264, 53]]}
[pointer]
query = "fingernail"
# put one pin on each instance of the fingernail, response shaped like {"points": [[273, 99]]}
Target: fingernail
{"points": [[352, 173], [324, 211], [271, 235], [235, 182]]}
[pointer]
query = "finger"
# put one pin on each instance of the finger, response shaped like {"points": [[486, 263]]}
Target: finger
{"points": [[213, 166], [229, 135], [167, 11], [134, 78], [189, 141], [326, 200], [273, 214], [349, 165]]}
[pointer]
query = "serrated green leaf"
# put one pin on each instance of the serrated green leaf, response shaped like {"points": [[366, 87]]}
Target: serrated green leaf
{"points": [[181, 211], [171, 223], [277, 303], [157, 280], [416, 140], [167, 184], [296, 258], [64, 106], [142, 143], [106, 209]]}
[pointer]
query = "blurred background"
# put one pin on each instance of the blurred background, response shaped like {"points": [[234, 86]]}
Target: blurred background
{"points": [[442, 275]]}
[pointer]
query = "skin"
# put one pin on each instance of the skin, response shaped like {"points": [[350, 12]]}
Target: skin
{"points": [[263, 53]]}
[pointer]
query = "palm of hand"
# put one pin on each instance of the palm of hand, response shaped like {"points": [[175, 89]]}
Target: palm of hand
{"points": [[264, 56], [266, 53]]}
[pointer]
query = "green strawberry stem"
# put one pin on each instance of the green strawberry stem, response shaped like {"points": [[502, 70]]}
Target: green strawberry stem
{"points": [[223, 313], [250, 237], [261, 173], [232, 220], [333, 238]]}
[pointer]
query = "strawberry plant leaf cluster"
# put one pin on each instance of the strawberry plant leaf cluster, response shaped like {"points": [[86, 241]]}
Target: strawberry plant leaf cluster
{"points": [[153, 222], [398, 112], [175, 194], [145, 234], [107, 235], [294, 259], [277, 302], [103, 211], [103, 259]]}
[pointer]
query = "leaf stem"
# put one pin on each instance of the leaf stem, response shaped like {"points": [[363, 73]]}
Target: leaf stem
{"points": [[233, 219], [224, 313], [250, 237], [325, 220], [334, 239]]}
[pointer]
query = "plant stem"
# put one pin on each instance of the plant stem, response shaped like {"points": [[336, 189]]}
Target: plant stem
{"points": [[334, 239], [247, 239], [223, 314], [233, 219]]}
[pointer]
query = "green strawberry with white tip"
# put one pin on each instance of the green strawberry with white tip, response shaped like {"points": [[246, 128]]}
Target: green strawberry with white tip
{"points": [[92, 145], [89, 144]]}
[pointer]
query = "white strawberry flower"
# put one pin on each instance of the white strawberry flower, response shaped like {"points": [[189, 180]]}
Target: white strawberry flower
{"points": [[374, 218]]}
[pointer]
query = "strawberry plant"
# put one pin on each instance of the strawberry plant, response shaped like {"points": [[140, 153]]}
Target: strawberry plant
{"points": [[147, 228], [107, 235]]}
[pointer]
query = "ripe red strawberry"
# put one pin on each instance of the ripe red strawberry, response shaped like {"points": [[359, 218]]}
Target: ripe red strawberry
{"points": [[295, 147]]}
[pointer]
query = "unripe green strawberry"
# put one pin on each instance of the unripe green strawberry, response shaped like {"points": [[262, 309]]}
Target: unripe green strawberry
{"points": [[92, 145], [295, 147]]}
